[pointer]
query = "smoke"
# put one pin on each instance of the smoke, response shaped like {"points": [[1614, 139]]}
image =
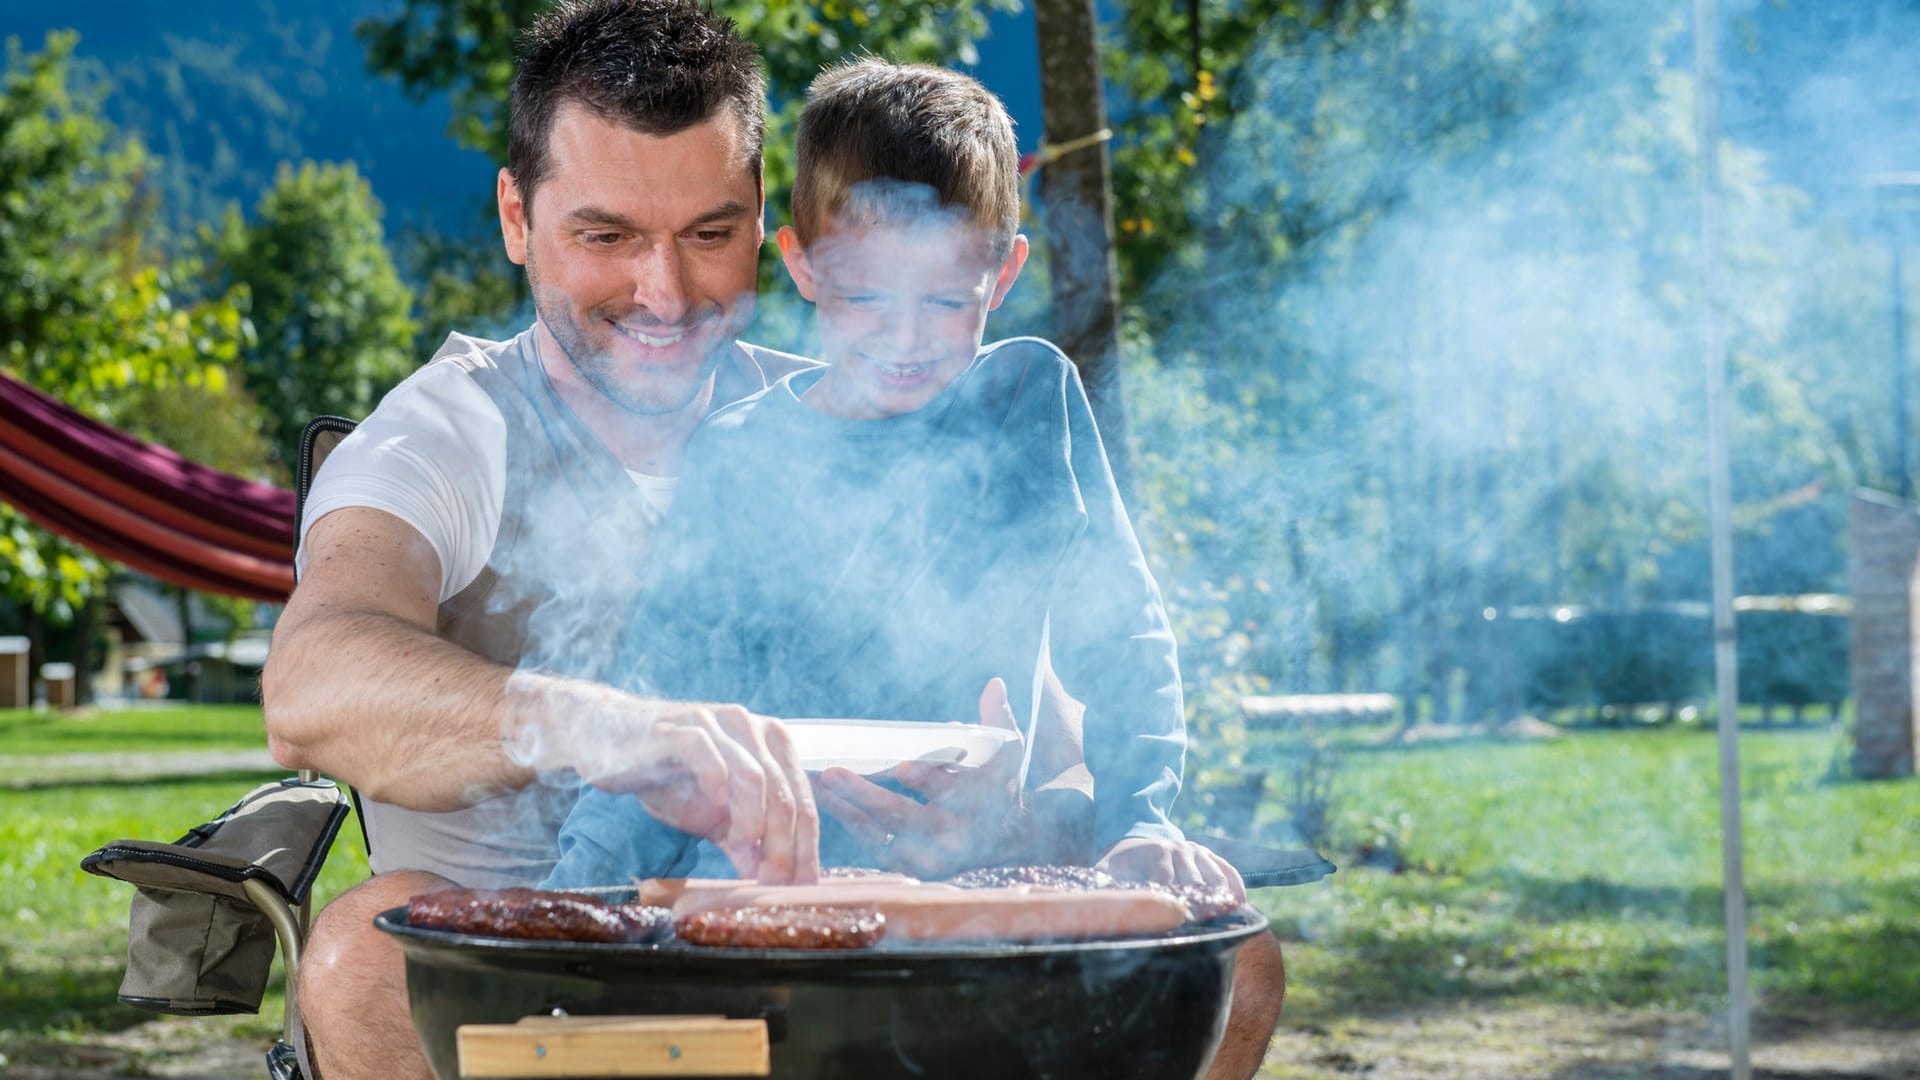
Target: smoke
{"points": [[1432, 353]]}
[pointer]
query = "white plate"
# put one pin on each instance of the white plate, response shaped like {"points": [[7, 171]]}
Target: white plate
{"points": [[871, 746]]}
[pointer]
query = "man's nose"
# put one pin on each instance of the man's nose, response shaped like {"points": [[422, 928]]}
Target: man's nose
{"points": [[660, 282]]}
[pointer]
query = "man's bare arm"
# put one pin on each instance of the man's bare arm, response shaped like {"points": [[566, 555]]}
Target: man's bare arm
{"points": [[358, 686]]}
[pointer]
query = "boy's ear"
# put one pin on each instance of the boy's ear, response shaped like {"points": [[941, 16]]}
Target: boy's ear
{"points": [[1009, 271], [795, 256], [513, 218]]}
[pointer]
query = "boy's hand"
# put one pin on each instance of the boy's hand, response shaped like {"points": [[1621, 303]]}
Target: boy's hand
{"points": [[966, 819], [1172, 862]]}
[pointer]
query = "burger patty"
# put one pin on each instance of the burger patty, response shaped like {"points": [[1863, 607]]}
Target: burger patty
{"points": [[784, 926], [538, 914]]}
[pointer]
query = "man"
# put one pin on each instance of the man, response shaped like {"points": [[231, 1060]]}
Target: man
{"points": [[463, 547]]}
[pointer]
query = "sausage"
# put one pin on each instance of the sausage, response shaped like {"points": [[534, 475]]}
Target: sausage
{"points": [[929, 912], [667, 891]]}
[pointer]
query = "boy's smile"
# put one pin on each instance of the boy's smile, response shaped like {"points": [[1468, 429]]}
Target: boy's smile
{"points": [[902, 309]]}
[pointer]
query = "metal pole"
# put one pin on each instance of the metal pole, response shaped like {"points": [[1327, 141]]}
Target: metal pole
{"points": [[1902, 461], [1726, 686]]}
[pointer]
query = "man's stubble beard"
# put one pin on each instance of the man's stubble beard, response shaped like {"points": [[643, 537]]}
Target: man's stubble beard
{"points": [[649, 397]]}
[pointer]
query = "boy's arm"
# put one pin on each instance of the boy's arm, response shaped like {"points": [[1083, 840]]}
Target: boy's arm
{"points": [[1114, 649]]}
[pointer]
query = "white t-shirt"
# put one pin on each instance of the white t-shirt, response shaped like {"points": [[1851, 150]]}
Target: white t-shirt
{"points": [[434, 455]]}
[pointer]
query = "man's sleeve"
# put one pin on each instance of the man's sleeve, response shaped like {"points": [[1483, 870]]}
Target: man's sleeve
{"points": [[1114, 649], [434, 455]]}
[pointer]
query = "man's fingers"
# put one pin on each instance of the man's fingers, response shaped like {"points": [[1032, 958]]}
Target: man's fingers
{"points": [[690, 792], [798, 823]]}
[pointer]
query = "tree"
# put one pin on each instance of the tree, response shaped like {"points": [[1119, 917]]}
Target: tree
{"points": [[1076, 189], [330, 314], [86, 313]]}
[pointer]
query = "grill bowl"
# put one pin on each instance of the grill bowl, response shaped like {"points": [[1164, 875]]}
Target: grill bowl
{"points": [[1148, 1008]]}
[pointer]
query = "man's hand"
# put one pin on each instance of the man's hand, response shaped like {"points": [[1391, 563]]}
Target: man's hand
{"points": [[1172, 862], [967, 818], [717, 772]]}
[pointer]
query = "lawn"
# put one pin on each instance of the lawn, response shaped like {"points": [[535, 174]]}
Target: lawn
{"points": [[1586, 870], [1581, 871], [159, 728]]}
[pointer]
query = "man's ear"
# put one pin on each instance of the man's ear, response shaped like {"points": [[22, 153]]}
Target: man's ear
{"points": [[1009, 271], [513, 218], [795, 256]]}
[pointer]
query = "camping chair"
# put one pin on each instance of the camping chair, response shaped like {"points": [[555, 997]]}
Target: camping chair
{"points": [[212, 904]]}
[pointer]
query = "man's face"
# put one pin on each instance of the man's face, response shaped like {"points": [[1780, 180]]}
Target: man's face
{"points": [[641, 251], [901, 310]]}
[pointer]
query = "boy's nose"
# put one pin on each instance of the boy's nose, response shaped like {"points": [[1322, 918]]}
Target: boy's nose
{"points": [[660, 283], [906, 331]]}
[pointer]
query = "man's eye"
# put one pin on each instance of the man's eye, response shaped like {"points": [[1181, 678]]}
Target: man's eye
{"points": [[603, 239], [712, 236]]}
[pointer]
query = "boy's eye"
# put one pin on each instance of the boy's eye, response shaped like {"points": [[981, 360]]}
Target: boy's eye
{"points": [[946, 303], [862, 300]]}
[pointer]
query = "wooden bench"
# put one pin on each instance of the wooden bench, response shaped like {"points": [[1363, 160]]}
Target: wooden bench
{"points": [[1292, 710]]}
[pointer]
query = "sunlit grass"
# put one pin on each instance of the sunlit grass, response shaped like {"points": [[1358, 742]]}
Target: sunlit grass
{"points": [[159, 728], [1588, 870]]}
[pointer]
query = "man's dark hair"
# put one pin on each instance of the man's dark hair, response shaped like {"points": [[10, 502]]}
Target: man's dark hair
{"points": [[871, 126], [656, 66]]}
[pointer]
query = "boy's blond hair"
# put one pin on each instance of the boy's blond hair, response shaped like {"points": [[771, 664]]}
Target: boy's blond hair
{"points": [[872, 127]]}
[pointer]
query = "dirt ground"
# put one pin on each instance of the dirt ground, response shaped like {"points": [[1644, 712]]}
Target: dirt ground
{"points": [[1450, 1043], [1564, 1043]]}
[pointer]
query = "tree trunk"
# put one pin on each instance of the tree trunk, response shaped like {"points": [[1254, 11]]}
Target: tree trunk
{"points": [[35, 624], [1078, 205], [84, 620]]}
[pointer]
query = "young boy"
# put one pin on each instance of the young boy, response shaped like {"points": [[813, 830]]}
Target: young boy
{"points": [[880, 537]]}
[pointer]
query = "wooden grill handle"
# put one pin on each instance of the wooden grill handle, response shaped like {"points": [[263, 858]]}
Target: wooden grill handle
{"points": [[586, 1046]]}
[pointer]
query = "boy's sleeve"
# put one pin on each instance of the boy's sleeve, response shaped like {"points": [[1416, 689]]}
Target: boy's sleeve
{"points": [[609, 839], [1113, 647]]}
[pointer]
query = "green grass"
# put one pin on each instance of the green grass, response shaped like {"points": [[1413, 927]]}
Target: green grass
{"points": [[155, 729], [1587, 870]]}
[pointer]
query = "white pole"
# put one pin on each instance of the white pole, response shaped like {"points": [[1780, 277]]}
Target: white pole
{"points": [[1726, 688]]}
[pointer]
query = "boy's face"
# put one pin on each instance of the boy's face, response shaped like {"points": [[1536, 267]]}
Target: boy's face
{"points": [[901, 309]]}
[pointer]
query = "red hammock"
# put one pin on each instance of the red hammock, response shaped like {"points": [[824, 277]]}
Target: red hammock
{"points": [[140, 504]]}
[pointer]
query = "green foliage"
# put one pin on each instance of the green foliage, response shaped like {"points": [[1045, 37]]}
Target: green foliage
{"points": [[330, 314], [86, 313]]}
